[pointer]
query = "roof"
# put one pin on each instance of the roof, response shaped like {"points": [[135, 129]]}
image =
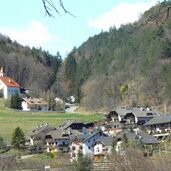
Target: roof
{"points": [[141, 137], [58, 134], [68, 123], [9, 82], [41, 130], [107, 141], [159, 120], [35, 101], [92, 135], [137, 111]]}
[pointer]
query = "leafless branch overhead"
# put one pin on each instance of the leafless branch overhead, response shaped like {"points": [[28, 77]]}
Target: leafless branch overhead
{"points": [[50, 7]]}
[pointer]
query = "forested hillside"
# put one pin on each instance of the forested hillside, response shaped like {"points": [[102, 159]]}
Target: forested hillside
{"points": [[34, 69], [126, 66]]}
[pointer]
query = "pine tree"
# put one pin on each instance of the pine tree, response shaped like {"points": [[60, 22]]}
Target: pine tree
{"points": [[15, 101], [18, 139]]}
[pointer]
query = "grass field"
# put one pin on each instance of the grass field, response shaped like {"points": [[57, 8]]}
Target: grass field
{"points": [[10, 119]]}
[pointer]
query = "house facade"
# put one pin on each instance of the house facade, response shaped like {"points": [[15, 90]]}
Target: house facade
{"points": [[57, 140], [39, 132], [85, 145], [37, 104], [8, 86], [137, 115], [159, 125], [103, 146]]}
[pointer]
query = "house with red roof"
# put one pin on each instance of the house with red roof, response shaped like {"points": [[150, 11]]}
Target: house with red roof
{"points": [[8, 86]]}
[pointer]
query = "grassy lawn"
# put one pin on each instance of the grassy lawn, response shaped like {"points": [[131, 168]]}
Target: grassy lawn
{"points": [[10, 119]]}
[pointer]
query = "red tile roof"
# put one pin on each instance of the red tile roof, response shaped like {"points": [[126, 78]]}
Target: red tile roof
{"points": [[9, 82]]}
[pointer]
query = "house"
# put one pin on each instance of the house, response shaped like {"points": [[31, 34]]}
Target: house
{"points": [[103, 147], [141, 138], [159, 124], [37, 104], [72, 125], [88, 142], [137, 115], [159, 127], [57, 140], [39, 133], [113, 128], [85, 144], [8, 86]]}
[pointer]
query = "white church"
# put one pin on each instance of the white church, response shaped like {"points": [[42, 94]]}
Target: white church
{"points": [[8, 86]]}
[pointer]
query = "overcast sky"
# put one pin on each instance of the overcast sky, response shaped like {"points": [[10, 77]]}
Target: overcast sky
{"points": [[25, 21]]}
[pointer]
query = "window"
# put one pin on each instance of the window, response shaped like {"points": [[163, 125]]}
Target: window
{"points": [[89, 147]]}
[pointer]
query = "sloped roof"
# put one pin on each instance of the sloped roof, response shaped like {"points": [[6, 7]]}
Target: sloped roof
{"points": [[35, 101], [92, 135], [41, 130], [58, 134], [68, 123], [107, 141], [137, 111], [141, 137], [9, 82], [159, 120]]}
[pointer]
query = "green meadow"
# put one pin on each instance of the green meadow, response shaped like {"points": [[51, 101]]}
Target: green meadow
{"points": [[10, 119]]}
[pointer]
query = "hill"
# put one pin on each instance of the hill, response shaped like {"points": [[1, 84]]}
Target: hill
{"points": [[31, 68], [126, 66]]}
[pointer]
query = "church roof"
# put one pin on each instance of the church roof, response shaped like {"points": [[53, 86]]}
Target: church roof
{"points": [[9, 82]]}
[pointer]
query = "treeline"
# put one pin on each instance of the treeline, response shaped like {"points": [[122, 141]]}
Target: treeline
{"points": [[126, 66], [32, 68]]}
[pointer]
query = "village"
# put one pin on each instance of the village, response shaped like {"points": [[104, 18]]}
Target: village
{"points": [[136, 126]]}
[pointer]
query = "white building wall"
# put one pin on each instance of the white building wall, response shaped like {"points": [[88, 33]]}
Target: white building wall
{"points": [[31, 141], [25, 106], [98, 149], [119, 118], [75, 151], [4, 88], [88, 146]]}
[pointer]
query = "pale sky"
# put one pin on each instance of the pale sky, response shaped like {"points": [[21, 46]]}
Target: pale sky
{"points": [[25, 21]]}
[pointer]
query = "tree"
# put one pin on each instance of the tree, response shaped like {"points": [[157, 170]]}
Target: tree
{"points": [[83, 163], [15, 101], [3, 146], [49, 7], [18, 139]]}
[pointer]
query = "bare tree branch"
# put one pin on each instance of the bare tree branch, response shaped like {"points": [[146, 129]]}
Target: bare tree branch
{"points": [[50, 7]]}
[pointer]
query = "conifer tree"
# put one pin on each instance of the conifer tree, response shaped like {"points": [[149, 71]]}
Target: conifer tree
{"points": [[15, 101], [18, 139]]}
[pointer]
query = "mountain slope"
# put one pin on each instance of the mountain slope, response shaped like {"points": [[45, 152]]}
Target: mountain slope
{"points": [[32, 68], [128, 66]]}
